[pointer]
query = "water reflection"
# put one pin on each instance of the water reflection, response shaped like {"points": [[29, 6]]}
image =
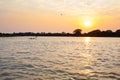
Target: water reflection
{"points": [[60, 58], [89, 58], [87, 40], [87, 43], [86, 72]]}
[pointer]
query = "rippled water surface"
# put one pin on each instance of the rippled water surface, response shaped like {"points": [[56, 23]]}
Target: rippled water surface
{"points": [[59, 58]]}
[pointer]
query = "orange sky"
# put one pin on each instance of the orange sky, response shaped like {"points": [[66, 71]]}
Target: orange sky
{"points": [[58, 15]]}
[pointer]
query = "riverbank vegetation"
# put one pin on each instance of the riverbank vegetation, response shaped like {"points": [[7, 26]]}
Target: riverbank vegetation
{"points": [[75, 33]]}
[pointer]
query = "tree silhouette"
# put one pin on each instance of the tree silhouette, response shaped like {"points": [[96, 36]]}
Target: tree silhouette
{"points": [[118, 33], [94, 33], [77, 32]]}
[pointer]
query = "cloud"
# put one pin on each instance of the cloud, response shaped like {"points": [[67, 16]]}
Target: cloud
{"points": [[66, 6]]}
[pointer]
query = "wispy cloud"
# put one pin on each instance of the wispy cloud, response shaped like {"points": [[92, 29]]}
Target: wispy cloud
{"points": [[66, 6], [69, 7]]}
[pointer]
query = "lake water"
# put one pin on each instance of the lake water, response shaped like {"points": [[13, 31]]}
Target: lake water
{"points": [[59, 58]]}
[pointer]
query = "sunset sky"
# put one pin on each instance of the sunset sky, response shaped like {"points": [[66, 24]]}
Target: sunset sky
{"points": [[58, 15]]}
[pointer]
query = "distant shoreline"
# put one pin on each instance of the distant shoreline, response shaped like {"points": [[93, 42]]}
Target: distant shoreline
{"points": [[76, 33], [58, 36]]}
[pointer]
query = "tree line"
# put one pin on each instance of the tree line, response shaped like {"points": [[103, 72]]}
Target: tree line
{"points": [[75, 33]]}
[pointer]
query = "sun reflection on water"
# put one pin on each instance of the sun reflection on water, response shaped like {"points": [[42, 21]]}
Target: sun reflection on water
{"points": [[87, 39], [88, 54]]}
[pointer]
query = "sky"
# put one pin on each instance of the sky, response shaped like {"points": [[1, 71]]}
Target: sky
{"points": [[58, 15]]}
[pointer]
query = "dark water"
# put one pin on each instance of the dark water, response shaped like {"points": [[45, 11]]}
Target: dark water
{"points": [[57, 58]]}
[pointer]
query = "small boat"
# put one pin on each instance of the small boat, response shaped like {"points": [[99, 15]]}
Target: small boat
{"points": [[33, 38]]}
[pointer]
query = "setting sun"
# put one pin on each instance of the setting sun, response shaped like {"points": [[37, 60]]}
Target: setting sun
{"points": [[87, 23]]}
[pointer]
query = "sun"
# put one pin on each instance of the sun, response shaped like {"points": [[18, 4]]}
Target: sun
{"points": [[87, 23]]}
